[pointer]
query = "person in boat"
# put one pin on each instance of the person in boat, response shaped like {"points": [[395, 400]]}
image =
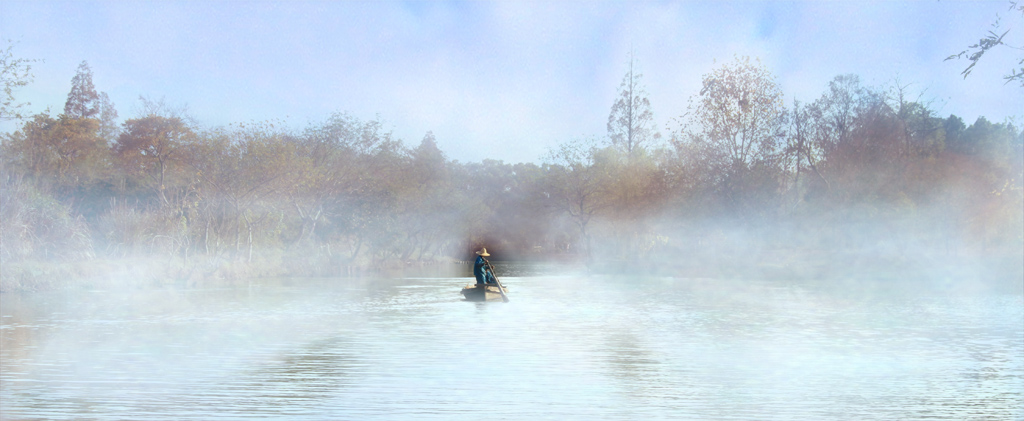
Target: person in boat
{"points": [[482, 268]]}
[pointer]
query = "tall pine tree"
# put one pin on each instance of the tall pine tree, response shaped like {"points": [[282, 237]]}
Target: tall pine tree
{"points": [[83, 100]]}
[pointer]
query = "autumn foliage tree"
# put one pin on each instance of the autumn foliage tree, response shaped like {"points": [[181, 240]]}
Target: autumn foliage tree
{"points": [[733, 131], [148, 146], [857, 168], [83, 100]]}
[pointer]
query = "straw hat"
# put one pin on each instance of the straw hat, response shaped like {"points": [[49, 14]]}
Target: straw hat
{"points": [[483, 252]]}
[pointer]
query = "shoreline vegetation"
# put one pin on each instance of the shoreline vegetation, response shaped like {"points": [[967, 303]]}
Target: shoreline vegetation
{"points": [[862, 183], [1003, 272]]}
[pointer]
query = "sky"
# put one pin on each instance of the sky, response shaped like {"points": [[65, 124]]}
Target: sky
{"points": [[504, 80]]}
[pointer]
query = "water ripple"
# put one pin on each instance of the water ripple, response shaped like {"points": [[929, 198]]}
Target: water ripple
{"points": [[563, 348]]}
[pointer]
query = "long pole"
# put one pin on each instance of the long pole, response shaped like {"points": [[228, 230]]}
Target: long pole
{"points": [[501, 289]]}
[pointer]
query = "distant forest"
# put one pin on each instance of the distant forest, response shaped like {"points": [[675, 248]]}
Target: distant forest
{"points": [[740, 177]]}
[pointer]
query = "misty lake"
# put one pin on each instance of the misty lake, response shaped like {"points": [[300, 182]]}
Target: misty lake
{"points": [[565, 347]]}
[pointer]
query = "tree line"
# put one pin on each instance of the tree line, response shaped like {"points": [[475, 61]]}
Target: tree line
{"points": [[859, 168]]}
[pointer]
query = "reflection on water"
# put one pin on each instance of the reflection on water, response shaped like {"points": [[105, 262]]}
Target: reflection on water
{"points": [[564, 347]]}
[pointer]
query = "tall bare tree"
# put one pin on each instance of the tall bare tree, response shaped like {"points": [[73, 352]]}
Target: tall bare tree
{"points": [[631, 122]]}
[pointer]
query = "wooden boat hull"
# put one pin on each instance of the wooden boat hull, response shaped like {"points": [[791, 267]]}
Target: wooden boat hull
{"points": [[482, 292]]}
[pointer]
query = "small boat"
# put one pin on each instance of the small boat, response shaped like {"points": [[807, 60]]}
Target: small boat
{"points": [[483, 292]]}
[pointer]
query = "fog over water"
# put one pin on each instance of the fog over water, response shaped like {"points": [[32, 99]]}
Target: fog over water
{"points": [[701, 210], [565, 346]]}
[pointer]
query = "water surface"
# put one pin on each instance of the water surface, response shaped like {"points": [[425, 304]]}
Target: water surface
{"points": [[565, 347]]}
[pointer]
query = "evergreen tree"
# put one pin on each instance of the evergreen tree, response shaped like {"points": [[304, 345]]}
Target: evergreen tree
{"points": [[83, 100]]}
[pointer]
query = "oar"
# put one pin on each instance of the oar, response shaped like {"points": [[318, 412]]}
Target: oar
{"points": [[501, 289]]}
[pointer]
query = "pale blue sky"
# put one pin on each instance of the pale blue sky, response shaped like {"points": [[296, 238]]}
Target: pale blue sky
{"points": [[501, 80]]}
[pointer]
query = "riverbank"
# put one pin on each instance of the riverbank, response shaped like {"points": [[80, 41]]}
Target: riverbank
{"points": [[199, 272], [836, 267], [122, 273]]}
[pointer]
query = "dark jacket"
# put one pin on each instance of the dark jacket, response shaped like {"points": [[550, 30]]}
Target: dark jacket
{"points": [[482, 272]]}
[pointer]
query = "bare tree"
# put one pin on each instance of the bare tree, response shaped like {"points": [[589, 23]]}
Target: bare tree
{"points": [[14, 73], [578, 185], [631, 122], [736, 119]]}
